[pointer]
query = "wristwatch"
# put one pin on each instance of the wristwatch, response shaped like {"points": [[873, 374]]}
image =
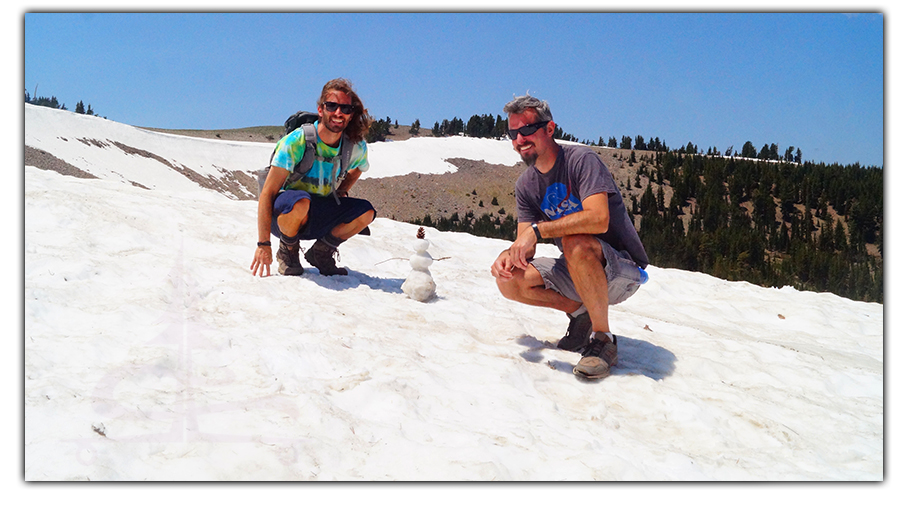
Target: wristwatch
{"points": [[537, 233]]}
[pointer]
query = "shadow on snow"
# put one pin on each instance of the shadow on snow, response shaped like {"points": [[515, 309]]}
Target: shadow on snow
{"points": [[636, 357], [353, 279]]}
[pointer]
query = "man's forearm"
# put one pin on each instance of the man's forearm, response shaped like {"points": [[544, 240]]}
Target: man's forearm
{"points": [[583, 222], [264, 217]]}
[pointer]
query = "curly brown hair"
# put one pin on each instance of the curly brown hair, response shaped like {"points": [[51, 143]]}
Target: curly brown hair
{"points": [[358, 126]]}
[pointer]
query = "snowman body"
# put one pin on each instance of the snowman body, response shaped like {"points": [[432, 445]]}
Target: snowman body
{"points": [[419, 285]]}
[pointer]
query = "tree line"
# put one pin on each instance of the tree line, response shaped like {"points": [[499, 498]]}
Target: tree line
{"points": [[806, 225], [490, 126], [53, 102]]}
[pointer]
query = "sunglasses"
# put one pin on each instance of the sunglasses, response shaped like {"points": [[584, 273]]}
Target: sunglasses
{"points": [[346, 109], [526, 130]]}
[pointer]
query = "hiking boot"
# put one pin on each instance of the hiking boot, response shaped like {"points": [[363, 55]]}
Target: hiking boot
{"points": [[578, 335], [289, 260], [321, 256], [599, 355]]}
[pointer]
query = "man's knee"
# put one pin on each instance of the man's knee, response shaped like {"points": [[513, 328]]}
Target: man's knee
{"points": [[583, 249], [509, 287], [300, 210], [368, 217], [291, 222]]}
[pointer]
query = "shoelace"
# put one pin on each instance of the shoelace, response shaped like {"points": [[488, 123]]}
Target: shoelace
{"points": [[592, 349], [595, 347]]}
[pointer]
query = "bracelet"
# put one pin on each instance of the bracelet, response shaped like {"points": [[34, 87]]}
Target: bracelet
{"points": [[537, 233], [266, 243]]}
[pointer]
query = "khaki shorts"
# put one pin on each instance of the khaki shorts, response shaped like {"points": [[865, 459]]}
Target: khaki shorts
{"points": [[623, 277]]}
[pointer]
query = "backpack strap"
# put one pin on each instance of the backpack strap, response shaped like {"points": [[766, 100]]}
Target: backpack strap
{"points": [[346, 152], [343, 158], [309, 155]]}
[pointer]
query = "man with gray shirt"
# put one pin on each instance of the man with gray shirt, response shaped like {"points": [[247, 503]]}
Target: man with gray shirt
{"points": [[567, 194]]}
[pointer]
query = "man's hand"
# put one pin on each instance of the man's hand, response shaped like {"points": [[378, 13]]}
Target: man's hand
{"points": [[262, 261], [502, 267], [344, 189], [262, 258], [523, 248]]}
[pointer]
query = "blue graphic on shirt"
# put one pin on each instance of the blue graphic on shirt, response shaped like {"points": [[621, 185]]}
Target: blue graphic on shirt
{"points": [[558, 202]]}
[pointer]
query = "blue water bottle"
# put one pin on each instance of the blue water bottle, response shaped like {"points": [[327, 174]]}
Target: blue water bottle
{"points": [[644, 276]]}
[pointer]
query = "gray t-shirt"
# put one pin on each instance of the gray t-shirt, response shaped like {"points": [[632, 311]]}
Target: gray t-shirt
{"points": [[577, 174]]}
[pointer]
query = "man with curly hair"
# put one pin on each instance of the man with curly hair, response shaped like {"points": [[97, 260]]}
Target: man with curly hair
{"points": [[316, 205]]}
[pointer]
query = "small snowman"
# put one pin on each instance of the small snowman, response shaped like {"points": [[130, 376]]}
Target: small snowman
{"points": [[419, 285]]}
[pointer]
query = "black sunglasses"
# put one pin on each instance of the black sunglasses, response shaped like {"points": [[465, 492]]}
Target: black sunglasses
{"points": [[527, 130], [346, 109]]}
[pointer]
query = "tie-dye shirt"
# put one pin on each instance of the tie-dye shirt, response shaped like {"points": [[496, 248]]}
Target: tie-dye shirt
{"points": [[319, 180]]}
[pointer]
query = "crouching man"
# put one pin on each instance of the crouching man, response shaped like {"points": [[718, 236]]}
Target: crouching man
{"points": [[567, 194], [295, 205]]}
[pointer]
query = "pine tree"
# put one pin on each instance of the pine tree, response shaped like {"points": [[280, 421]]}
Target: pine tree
{"points": [[840, 237], [748, 151]]}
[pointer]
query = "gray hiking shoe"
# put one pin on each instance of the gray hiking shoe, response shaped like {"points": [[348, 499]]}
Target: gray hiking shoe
{"points": [[321, 256], [578, 335], [599, 355], [289, 260]]}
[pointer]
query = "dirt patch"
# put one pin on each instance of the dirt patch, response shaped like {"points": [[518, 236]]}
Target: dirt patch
{"points": [[476, 186], [230, 183], [47, 161]]}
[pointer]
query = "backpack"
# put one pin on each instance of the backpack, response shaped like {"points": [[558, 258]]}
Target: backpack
{"points": [[304, 120]]}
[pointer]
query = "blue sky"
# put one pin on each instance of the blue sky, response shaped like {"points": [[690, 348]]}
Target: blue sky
{"points": [[808, 80]]}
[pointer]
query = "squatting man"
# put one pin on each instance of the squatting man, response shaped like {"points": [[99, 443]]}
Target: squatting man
{"points": [[316, 205], [567, 194]]}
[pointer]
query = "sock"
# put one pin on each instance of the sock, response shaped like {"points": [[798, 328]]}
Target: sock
{"points": [[578, 311], [291, 241], [608, 335], [332, 241]]}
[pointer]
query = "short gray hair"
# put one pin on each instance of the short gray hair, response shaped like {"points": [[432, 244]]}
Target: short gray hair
{"points": [[525, 102]]}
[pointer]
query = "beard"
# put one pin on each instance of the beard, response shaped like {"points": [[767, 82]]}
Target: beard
{"points": [[333, 128], [530, 156]]}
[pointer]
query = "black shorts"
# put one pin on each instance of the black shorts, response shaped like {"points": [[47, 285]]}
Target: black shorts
{"points": [[324, 212]]}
